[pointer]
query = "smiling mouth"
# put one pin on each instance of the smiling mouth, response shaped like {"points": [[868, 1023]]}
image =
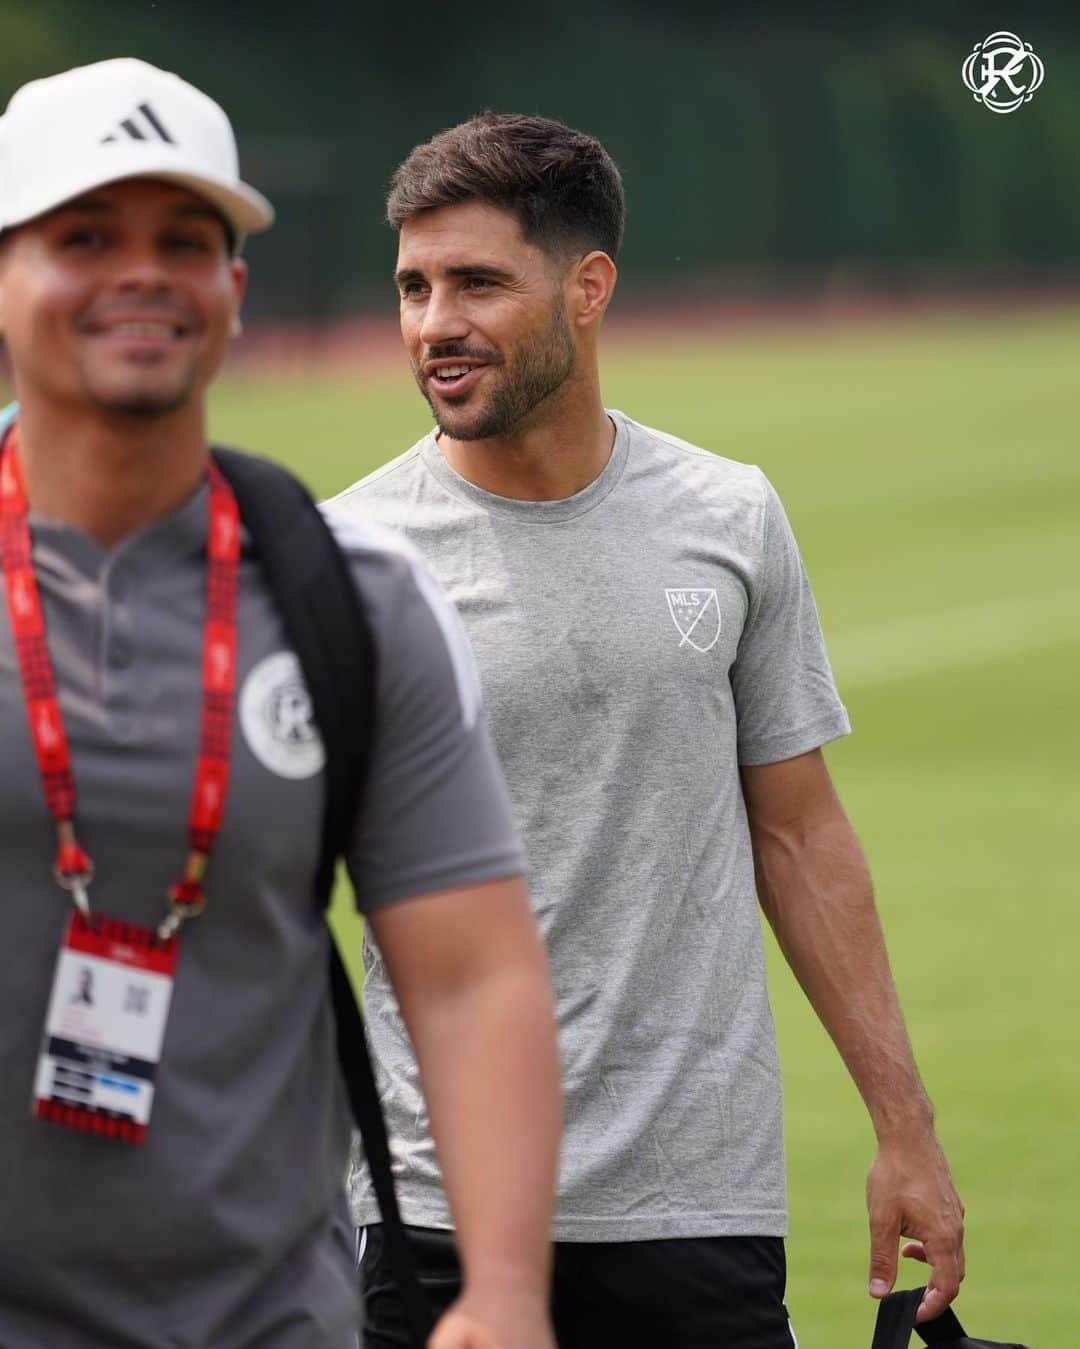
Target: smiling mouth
{"points": [[140, 330], [453, 379]]}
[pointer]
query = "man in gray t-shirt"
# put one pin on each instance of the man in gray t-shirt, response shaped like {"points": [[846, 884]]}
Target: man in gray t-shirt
{"points": [[162, 662], [659, 692]]}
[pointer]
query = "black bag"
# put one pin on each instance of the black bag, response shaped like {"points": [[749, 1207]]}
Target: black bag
{"points": [[325, 623], [896, 1320]]}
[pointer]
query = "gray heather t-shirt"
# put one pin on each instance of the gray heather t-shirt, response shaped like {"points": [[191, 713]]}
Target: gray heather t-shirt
{"points": [[636, 643], [227, 1227]]}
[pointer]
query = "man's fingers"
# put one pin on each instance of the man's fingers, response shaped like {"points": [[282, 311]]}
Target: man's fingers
{"points": [[884, 1235], [942, 1286], [933, 1304], [914, 1250], [460, 1332]]}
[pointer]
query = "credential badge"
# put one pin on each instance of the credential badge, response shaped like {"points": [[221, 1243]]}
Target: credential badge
{"points": [[696, 613]]}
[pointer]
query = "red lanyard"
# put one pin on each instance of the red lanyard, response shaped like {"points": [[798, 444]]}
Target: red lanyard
{"points": [[74, 869]]}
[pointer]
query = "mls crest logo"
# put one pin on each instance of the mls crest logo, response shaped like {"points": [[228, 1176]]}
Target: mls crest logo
{"points": [[696, 613]]}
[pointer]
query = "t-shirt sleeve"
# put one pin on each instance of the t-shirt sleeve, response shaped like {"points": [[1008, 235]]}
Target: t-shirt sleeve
{"points": [[785, 697], [436, 812]]}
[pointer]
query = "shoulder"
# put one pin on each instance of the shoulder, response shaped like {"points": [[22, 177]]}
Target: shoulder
{"points": [[380, 557], [713, 479], [392, 479], [411, 617], [368, 541]]}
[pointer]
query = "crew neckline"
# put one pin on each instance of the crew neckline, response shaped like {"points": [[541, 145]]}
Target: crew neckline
{"points": [[181, 531], [535, 512]]}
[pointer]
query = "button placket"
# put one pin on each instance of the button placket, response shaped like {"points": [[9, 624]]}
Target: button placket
{"points": [[118, 639]]}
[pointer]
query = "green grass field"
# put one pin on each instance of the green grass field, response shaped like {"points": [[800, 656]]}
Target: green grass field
{"points": [[931, 473]]}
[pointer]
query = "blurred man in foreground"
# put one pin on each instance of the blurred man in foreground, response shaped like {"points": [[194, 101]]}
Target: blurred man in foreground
{"points": [[182, 1182], [659, 694]]}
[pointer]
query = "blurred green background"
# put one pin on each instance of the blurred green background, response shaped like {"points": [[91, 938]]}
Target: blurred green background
{"points": [[765, 146], [778, 159]]}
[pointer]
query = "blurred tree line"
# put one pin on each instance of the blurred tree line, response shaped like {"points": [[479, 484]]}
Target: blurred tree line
{"points": [[763, 145]]}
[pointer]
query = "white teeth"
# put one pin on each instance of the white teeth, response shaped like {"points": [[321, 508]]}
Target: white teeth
{"points": [[142, 329], [453, 371]]}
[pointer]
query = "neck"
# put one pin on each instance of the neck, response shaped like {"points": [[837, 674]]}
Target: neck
{"points": [[546, 461], [111, 474]]}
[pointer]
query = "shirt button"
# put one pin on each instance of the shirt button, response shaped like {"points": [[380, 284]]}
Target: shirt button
{"points": [[124, 727], [121, 653]]}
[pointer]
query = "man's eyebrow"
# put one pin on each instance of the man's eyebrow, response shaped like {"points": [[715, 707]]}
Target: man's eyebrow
{"points": [[480, 269], [84, 206], [201, 211], [485, 269], [102, 206]]}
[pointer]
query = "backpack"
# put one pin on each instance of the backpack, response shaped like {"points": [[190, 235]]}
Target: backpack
{"points": [[896, 1320], [323, 617]]}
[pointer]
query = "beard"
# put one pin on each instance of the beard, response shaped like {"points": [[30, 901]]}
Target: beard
{"points": [[534, 372], [142, 390], [141, 405]]}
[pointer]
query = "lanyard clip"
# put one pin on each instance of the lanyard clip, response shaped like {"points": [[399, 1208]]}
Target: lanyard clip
{"points": [[73, 869], [186, 900]]}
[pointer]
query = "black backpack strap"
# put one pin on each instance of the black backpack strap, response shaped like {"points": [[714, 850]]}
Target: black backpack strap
{"points": [[325, 622], [326, 625]]}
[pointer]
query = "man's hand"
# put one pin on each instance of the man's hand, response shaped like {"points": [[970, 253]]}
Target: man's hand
{"points": [[910, 1193], [494, 1322]]}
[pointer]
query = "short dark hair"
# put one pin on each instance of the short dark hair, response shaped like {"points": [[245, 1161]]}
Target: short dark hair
{"points": [[561, 184]]}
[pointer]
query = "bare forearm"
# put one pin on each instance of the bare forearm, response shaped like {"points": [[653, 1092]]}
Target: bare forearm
{"points": [[491, 1079], [816, 891], [815, 888]]}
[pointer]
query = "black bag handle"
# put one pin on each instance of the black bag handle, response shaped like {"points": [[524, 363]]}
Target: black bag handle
{"points": [[326, 625], [896, 1320]]}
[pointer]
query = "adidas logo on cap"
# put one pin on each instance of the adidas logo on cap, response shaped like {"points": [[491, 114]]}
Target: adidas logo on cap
{"points": [[143, 124], [70, 133]]}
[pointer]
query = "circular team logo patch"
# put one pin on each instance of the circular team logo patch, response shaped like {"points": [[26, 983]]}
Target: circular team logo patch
{"points": [[277, 719]]}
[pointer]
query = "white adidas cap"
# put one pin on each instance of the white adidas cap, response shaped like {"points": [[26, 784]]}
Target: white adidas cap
{"points": [[69, 133]]}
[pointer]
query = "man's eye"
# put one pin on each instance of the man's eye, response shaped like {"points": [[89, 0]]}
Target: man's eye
{"points": [[411, 289], [189, 243], [479, 283], [80, 239]]}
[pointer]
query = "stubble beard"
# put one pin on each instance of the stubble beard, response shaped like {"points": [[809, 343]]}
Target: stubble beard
{"points": [[144, 403], [536, 371]]}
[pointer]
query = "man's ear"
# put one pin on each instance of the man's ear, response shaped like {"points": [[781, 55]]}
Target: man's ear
{"points": [[239, 269], [592, 284], [3, 259]]}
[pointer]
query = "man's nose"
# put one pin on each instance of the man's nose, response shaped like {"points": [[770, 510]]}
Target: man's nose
{"points": [[444, 319], [141, 266]]}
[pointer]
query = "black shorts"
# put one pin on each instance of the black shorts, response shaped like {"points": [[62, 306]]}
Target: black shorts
{"points": [[686, 1293]]}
